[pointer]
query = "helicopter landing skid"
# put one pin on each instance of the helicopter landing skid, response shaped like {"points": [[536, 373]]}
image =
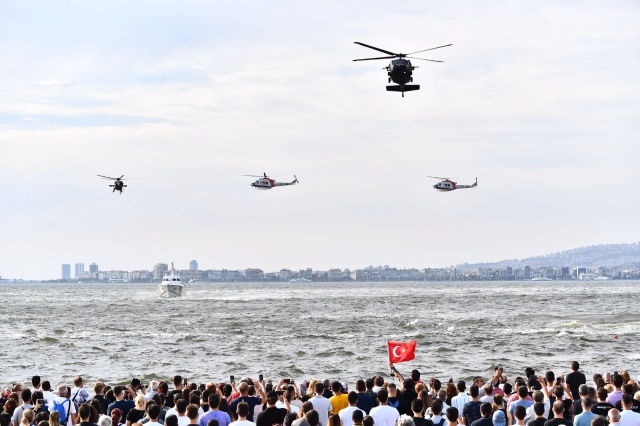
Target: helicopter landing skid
{"points": [[405, 88]]}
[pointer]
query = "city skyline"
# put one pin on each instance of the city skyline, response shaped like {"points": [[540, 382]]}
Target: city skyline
{"points": [[539, 101]]}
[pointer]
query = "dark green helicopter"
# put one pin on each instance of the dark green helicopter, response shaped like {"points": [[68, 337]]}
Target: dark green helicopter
{"points": [[400, 69]]}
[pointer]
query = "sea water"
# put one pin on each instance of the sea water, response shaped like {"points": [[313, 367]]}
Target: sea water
{"points": [[113, 332]]}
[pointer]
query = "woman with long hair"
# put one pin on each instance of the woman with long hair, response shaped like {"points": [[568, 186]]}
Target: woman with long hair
{"points": [[116, 417], [10, 406], [451, 392], [28, 417], [54, 418], [334, 420]]}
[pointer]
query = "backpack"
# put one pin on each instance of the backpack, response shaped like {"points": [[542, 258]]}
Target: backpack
{"points": [[59, 407], [441, 422]]}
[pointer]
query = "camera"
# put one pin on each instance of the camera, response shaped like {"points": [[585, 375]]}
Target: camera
{"points": [[260, 377]]}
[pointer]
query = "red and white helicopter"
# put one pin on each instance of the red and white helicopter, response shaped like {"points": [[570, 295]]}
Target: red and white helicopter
{"points": [[265, 182], [446, 184]]}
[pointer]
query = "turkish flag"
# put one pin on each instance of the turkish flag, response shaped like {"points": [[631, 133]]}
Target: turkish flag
{"points": [[401, 351]]}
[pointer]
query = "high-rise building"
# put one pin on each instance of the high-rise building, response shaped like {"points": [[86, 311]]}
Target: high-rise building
{"points": [[66, 271], [158, 271], [79, 270], [193, 265], [93, 268]]}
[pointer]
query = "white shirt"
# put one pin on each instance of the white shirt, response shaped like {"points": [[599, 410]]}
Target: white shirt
{"points": [[346, 415], [459, 401], [183, 420], [242, 423], [383, 415], [49, 396], [293, 408], [531, 415], [629, 418], [323, 407]]}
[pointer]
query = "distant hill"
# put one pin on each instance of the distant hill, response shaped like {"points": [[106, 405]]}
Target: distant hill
{"points": [[588, 257]]}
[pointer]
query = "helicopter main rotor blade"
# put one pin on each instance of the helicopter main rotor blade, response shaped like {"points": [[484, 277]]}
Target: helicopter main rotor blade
{"points": [[106, 177], [376, 48], [436, 177], [425, 50], [371, 59], [423, 59], [257, 176]]}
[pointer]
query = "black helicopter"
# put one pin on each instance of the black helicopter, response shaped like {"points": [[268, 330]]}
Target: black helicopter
{"points": [[399, 70], [118, 184]]}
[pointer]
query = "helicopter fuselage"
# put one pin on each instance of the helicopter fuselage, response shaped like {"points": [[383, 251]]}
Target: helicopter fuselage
{"points": [[400, 70]]}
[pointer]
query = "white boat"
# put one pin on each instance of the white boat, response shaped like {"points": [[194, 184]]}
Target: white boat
{"points": [[541, 279], [299, 280], [171, 286]]}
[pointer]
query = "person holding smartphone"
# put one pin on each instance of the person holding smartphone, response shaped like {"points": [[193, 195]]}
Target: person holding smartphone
{"points": [[251, 401]]}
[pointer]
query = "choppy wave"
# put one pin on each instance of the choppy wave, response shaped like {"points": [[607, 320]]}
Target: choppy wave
{"points": [[328, 330]]}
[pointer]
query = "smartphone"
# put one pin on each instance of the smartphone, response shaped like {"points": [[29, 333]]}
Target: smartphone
{"points": [[42, 402], [280, 392], [231, 378], [260, 377], [287, 381], [185, 382]]}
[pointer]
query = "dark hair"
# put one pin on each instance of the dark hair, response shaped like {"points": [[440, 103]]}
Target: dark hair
{"points": [[618, 381], [5, 419], [417, 405], [289, 418], [154, 411], [84, 411], [367, 421], [520, 412], [192, 411], [461, 386], [383, 395], [214, 401], [307, 406], [171, 420], [602, 393], [587, 402], [181, 405], [474, 391], [575, 365], [336, 386], [368, 383], [26, 395], [360, 386], [436, 407], [415, 375], [452, 414], [352, 398], [46, 386], [538, 408], [508, 388], [319, 387], [485, 409], [523, 392], [35, 381], [357, 416], [312, 418], [177, 380], [626, 399], [243, 409], [212, 422]]}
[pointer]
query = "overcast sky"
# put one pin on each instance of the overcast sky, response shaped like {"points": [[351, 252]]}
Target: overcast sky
{"points": [[539, 100]]}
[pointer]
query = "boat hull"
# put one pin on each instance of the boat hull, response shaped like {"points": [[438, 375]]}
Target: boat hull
{"points": [[171, 290]]}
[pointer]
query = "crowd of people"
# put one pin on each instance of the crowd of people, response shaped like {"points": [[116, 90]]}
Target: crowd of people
{"points": [[612, 399]]}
